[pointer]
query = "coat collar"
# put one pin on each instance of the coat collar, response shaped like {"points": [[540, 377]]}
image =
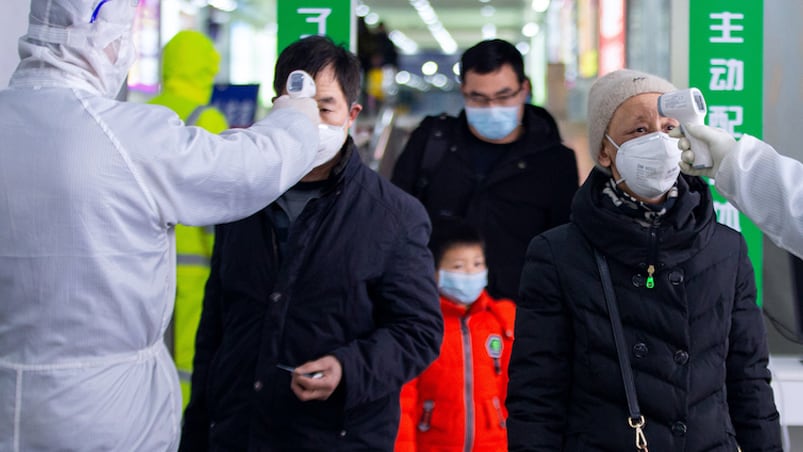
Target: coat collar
{"points": [[685, 229]]}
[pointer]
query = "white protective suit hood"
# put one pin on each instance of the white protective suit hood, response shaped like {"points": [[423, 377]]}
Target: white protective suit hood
{"points": [[63, 48]]}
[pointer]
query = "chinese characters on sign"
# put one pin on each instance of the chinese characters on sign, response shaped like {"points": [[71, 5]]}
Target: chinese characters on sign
{"points": [[301, 18], [726, 64]]}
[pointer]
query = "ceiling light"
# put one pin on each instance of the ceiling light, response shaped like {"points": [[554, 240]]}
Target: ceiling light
{"points": [[530, 29], [223, 5], [540, 6], [456, 68], [523, 48], [404, 43], [439, 32], [429, 68], [372, 19], [488, 31], [487, 11], [362, 10]]}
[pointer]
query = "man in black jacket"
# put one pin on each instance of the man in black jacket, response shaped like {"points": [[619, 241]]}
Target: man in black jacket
{"points": [[500, 164], [319, 307]]}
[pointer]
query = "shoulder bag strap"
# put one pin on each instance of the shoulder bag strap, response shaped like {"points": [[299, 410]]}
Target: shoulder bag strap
{"points": [[636, 419]]}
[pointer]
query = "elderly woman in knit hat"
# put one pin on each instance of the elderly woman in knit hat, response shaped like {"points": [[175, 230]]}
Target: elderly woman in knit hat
{"points": [[681, 297]]}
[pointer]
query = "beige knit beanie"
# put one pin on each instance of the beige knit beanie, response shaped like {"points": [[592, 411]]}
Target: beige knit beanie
{"points": [[608, 93]]}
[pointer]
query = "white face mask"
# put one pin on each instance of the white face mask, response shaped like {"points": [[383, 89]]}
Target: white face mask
{"points": [[331, 139], [648, 164], [463, 288]]}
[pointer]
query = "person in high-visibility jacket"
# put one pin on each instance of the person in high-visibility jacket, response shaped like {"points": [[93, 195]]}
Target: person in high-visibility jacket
{"points": [[189, 65]]}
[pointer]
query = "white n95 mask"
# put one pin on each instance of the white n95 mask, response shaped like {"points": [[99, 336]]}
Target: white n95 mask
{"points": [[648, 164], [331, 139]]}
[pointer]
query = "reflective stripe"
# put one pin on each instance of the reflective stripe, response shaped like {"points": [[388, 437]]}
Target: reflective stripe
{"points": [[185, 376], [192, 259]]}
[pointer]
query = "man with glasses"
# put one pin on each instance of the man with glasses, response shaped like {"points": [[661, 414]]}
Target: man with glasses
{"points": [[500, 164]]}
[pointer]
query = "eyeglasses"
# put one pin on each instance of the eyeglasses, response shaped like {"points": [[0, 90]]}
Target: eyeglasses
{"points": [[482, 100]]}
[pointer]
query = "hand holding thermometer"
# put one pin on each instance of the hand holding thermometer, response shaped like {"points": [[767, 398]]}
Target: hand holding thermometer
{"points": [[688, 107], [293, 369], [300, 84]]}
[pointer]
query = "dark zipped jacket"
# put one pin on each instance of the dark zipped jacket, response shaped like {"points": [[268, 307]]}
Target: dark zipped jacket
{"points": [[357, 283], [528, 191], [696, 340]]}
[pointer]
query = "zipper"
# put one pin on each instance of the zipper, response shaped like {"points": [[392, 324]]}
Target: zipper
{"points": [[468, 379], [652, 251], [426, 417]]}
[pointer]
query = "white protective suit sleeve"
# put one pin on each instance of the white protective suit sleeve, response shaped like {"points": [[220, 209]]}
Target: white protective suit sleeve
{"points": [[196, 178], [768, 188]]}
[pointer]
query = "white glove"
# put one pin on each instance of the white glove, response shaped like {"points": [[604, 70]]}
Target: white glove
{"points": [[306, 105], [718, 143]]}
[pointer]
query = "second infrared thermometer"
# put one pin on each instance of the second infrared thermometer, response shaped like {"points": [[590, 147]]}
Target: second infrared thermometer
{"points": [[688, 107], [300, 84]]}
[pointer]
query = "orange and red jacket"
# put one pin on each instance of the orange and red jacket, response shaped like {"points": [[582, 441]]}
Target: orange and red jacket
{"points": [[458, 402]]}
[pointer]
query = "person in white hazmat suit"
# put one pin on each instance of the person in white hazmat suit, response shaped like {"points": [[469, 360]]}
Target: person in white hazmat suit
{"points": [[762, 184], [90, 189]]}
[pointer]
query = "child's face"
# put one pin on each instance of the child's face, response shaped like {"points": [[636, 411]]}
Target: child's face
{"points": [[467, 259]]}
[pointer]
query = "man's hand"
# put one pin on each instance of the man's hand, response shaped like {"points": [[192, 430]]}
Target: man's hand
{"points": [[717, 142], [316, 380], [306, 105]]}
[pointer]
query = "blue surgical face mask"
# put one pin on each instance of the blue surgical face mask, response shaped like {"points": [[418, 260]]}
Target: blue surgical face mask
{"points": [[493, 123], [463, 288]]}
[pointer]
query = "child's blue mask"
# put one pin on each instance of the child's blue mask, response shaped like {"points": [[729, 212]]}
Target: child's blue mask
{"points": [[493, 123], [463, 288]]}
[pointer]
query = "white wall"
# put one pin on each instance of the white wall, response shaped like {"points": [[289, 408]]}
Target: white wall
{"points": [[13, 24]]}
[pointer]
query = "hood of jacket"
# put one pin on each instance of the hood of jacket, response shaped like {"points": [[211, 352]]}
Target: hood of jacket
{"points": [[189, 65], [81, 44], [685, 229]]}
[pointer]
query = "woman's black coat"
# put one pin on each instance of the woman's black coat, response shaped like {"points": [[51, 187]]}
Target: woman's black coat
{"points": [[696, 341]]}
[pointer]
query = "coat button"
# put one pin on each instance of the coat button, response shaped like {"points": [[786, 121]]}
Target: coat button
{"points": [[342, 434], [275, 297], [640, 350], [681, 357], [638, 280], [676, 277], [257, 386], [453, 148], [678, 428], [522, 165]]}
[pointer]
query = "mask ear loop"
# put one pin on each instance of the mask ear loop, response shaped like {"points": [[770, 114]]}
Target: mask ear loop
{"points": [[608, 137]]}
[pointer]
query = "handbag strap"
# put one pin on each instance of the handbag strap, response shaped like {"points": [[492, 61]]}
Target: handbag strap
{"points": [[635, 419]]}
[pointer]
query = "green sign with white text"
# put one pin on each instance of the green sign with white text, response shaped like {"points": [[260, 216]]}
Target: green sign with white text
{"points": [[299, 18], [726, 62]]}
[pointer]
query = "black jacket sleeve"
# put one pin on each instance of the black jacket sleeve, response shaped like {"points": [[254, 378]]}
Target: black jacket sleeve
{"points": [[407, 167], [540, 364], [750, 398], [195, 431], [409, 322], [564, 185]]}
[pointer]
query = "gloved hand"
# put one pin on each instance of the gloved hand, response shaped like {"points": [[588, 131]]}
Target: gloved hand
{"points": [[306, 105], [717, 141]]}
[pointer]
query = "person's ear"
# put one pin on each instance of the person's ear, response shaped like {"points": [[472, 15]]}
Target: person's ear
{"points": [[606, 154], [354, 111]]}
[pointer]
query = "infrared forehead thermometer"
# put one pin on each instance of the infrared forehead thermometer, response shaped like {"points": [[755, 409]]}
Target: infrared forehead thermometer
{"points": [[300, 84], [688, 107]]}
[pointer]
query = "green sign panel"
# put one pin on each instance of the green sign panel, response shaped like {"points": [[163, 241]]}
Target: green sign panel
{"points": [[299, 18], [726, 63]]}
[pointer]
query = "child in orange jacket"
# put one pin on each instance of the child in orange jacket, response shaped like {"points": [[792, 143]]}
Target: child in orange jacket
{"points": [[458, 403]]}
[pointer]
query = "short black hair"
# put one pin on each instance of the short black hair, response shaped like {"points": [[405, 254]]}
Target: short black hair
{"points": [[490, 55], [314, 53], [450, 232]]}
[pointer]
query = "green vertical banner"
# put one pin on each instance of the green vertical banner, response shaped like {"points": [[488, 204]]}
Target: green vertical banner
{"points": [[726, 62], [299, 18]]}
